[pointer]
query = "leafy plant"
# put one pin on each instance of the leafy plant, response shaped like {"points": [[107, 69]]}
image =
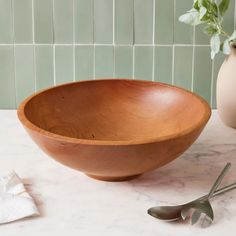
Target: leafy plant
{"points": [[210, 13]]}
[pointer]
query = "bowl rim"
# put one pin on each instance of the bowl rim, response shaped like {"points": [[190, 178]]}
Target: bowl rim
{"points": [[31, 126]]}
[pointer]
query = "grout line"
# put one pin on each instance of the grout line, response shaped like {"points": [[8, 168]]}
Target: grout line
{"points": [[33, 39], [54, 60], [54, 66], [234, 14], [133, 68], [133, 43], [173, 65], [14, 50], [212, 80], [94, 61], [153, 40], [94, 46], [32, 16], [73, 28], [99, 44], [173, 48], [193, 57], [113, 37]]}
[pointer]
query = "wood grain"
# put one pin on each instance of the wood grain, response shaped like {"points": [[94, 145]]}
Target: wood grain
{"points": [[114, 129]]}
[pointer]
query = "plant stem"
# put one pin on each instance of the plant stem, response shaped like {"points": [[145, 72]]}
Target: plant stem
{"points": [[219, 26], [224, 33]]}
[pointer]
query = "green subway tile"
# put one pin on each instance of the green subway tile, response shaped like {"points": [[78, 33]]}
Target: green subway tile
{"points": [[63, 21], [123, 61], [84, 21], [6, 31], [202, 72], [143, 21], [103, 21], [7, 84], [104, 61], [143, 62], [164, 23], [124, 21], [24, 72], [44, 67], [183, 34], [183, 67], [23, 21], [200, 36], [228, 22], [219, 59], [83, 62], [43, 21], [64, 64], [163, 64]]}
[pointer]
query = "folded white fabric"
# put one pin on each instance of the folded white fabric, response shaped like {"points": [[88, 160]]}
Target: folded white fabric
{"points": [[15, 202]]}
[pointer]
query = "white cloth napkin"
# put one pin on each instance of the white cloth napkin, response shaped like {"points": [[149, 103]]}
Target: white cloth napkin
{"points": [[15, 202]]}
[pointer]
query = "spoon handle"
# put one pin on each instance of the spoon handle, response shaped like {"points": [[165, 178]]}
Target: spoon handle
{"points": [[218, 180], [223, 190]]}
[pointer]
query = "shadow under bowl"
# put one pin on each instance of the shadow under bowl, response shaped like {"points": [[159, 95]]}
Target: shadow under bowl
{"points": [[114, 129]]}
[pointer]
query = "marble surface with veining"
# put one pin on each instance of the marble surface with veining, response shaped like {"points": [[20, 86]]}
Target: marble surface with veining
{"points": [[70, 203]]}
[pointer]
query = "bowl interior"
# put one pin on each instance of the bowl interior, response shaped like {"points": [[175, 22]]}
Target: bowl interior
{"points": [[115, 110]]}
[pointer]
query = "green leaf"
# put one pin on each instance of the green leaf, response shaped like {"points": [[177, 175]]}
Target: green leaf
{"points": [[215, 45], [215, 8], [192, 17], [196, 5], [207, 4], [210, 30], [202, 12], [223, 6], [226, 47]]}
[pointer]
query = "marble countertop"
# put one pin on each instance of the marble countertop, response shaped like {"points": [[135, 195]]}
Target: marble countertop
{"points": [[70, 203]]}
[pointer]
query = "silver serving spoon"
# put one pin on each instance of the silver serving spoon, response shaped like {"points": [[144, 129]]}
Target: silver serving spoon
{"points": [[173, 213]]}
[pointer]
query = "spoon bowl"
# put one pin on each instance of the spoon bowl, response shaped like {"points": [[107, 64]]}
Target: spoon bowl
{"points": [[167, 213], [200, 205]]}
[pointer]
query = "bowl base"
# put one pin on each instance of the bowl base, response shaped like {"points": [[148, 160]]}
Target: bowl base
{"points": [[113, 178]]}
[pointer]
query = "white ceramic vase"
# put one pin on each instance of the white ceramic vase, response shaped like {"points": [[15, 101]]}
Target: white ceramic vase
{"points": [[226, 90]]}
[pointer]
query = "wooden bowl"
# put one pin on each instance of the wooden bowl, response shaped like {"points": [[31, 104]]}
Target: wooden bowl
{"points": [[114, 129]]}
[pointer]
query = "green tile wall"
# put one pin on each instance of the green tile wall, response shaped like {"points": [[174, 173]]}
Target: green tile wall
{"points": [[124, 62], [63, 64], [24, 72], [143, 21], [48, 42], [44, 69], [104, 61], [43, 21], [124, 21], [6, 21], [83, 21], [23, 17], [143, 62], [63, 21], [164, 23], [202, 72], [183, 34], [183, 57], [103, 21], [84, 62], [7, 80], [163, 64]]}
